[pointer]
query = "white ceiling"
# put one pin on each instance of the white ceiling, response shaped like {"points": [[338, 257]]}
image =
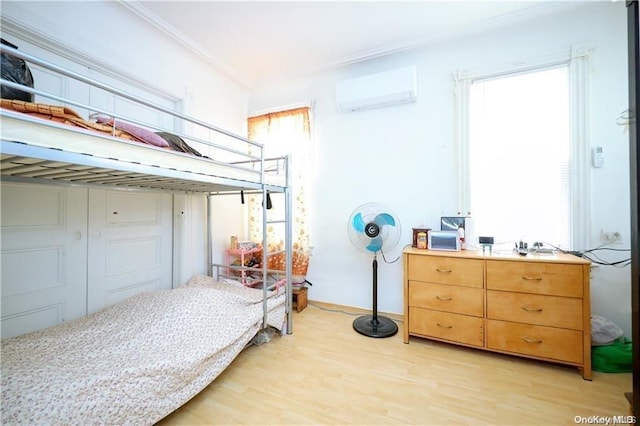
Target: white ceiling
{"points": [[260, 41]]}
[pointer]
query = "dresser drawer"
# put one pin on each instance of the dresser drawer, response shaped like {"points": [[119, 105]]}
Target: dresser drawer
{"points": [[535, 340], [448, 298], [557, 279], [443, 325], [554, 311], [446, 270]]}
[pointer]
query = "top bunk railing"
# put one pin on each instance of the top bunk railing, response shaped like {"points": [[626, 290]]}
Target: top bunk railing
{"points": [[221, 146]]}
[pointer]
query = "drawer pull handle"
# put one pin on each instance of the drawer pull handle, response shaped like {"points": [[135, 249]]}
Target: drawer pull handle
{"points": [[443, 270], [444, 298], [532, 278], [530, 340], [528, 309], [443, 326]]}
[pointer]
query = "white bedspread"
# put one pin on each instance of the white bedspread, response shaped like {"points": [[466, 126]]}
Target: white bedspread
{"points": [[134, 362]]}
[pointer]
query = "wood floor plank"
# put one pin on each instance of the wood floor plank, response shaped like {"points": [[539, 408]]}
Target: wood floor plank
{"points": [[326, 373]]}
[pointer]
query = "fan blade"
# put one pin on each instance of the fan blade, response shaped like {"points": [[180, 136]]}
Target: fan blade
{"points": [[358, 223], [384, 219], [375, 245]]}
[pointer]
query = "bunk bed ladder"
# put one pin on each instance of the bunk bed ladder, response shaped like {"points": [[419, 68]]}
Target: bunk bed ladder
{"points": [[288, 250], [266, 273]]}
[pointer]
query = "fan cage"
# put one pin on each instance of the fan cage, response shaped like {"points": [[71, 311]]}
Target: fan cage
{"points": [[389, 233]]}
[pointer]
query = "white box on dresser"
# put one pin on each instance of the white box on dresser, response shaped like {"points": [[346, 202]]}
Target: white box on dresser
{"points": [[535, 306]]}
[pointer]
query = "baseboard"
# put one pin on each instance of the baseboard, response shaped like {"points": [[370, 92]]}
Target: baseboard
{"points": [[355, 311]]}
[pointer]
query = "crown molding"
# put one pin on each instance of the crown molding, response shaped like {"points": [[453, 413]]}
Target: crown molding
{"points": [[137, 8], [535, 11], [40, 34]]}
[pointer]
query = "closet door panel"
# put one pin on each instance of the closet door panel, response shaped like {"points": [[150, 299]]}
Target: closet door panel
{"points": [[43, 256], [130, 244]]}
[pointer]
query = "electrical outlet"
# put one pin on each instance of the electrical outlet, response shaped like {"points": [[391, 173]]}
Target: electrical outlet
{"points": [[608, 237], [618, 237]]}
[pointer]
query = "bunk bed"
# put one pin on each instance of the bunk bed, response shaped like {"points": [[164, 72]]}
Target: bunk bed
{"points": [[97, 367]]}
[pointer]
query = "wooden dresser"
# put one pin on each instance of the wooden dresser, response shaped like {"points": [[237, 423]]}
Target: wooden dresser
{"points": [[536, 306]]}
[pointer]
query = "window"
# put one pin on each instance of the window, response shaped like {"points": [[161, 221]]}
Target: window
{"points": [[523, 153], [285, 133], [519, 156]]}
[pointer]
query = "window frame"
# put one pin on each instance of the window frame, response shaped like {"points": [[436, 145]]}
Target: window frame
{"points": [[577, 59]]}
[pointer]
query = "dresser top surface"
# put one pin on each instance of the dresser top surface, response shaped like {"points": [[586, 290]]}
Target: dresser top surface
{"points": [[500, 255]]}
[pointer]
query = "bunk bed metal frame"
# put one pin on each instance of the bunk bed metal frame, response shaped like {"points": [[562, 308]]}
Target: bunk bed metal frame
{"points": [[39, 151]]}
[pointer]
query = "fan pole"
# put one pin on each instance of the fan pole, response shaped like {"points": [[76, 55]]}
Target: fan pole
{"points": [[374, 317], [373, 325]]}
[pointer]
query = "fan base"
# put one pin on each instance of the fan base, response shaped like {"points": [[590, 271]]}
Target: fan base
{"points": [[384, 327]]}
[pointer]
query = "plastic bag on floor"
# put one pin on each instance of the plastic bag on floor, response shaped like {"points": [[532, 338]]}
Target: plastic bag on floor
{"points": [[603, 331]]}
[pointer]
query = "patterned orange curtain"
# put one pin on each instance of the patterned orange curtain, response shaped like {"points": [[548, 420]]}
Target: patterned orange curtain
{"points": [[284, 133]]}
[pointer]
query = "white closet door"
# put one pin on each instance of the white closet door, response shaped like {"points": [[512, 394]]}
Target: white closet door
{"points": [[130, 244], [44, 260]]}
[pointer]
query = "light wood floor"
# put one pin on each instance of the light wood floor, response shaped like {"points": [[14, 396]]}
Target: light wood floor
{"points": [[326, 373]]}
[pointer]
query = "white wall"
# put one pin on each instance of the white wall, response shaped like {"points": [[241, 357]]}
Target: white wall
{"points": [[107, 32], [106, 35], [403, 156]]}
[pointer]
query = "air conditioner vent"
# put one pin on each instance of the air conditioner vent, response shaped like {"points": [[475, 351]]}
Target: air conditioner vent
{"points": [[377, 90]]}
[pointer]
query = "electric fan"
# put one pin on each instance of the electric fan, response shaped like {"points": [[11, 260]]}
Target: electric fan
{"points": [[374, 228]]}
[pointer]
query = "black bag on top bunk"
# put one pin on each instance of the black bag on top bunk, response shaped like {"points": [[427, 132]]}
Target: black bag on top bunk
{"points": [[15, 70], [177, 143]]}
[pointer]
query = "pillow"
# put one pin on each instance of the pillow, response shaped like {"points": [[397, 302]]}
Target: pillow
{"points": [[143, 135]]}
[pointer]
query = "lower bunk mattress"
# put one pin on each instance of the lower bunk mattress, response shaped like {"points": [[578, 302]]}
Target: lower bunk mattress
{"points": [[134, 362]]}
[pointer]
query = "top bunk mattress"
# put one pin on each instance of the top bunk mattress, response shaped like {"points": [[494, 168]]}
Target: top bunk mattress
{"points": [[39, 149], [42, 137]]}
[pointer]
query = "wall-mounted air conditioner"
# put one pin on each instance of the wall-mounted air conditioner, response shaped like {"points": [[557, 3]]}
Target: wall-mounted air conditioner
{"points": [[377, 90]]}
